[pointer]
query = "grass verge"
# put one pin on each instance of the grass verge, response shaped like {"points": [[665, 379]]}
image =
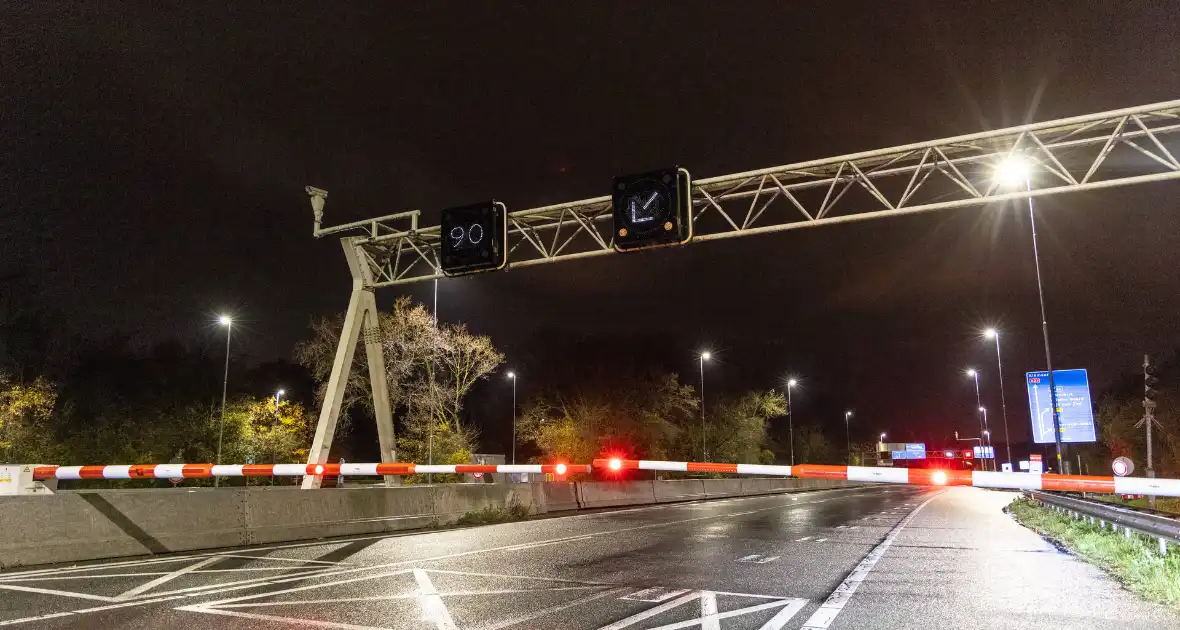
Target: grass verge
{"points": [[1134, 561], [491, 515]]}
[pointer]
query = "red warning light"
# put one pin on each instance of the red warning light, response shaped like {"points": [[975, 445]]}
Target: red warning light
{"points": [[967, 454], [616, 463], [561, 469]]}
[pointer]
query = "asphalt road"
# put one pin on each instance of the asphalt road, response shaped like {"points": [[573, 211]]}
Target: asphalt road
{"points": [[889, 557]]}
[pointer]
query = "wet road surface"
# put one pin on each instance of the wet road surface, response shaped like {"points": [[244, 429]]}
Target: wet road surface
{"points": [[888, 557]]}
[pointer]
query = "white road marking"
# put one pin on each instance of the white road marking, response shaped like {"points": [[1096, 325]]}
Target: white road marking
{"points": [[834, 604], [650, 612], [82, 611], [758, 559], [48, 591], [163, 579], [38, 578], [282, 620], [512, 621], [415, 595], [821, 540], [805, 538], [709, 619], [433, 608], [655, 595], [280, 559]]}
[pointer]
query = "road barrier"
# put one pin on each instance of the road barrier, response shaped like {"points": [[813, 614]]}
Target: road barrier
{"points": [[916, 476], [186, 471], [1162, 528]]}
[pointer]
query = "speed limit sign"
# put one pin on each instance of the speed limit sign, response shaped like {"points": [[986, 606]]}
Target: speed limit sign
{"points": [[1122, 466], [477, 475]]}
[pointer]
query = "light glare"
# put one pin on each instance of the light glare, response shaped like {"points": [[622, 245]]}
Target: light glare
{"points": [[939, 478], [1013, 170], [616, 464], [225, 320], [990, 333]]}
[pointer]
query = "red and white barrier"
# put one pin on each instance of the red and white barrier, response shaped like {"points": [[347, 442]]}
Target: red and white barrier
{"points": [[178, 471], [918, 476]]}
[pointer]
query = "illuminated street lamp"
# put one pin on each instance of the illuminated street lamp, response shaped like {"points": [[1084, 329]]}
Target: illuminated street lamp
{"points": [[705, 356], [973, 373], [512, 377], [791, 383], [1012, 171], [992, 333], [987, 434], [228, 322], [848, 436]]}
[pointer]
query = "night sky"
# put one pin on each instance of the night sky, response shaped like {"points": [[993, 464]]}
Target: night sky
{"points": [[153, 164]]}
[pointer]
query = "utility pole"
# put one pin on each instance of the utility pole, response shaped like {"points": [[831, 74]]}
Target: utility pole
{"points": [[1149, 406]]}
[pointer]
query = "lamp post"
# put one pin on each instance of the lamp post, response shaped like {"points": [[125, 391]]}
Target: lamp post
{"points": [[848, 436], [705, 356], [991, 333], [987, 434], [973, 373], [512, 377], [791, 383], [228, 322], [274, 452], [1013, 171]]}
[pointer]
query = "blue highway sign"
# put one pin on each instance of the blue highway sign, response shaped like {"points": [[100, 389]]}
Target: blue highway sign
{"points": [[1074, 409]]}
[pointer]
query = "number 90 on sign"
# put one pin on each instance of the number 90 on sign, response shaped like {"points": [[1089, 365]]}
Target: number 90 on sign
{"points": [[473, 238]]}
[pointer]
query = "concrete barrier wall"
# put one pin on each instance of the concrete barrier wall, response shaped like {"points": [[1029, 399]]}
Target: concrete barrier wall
{"points": [[93, 524], [283, 513], [718, 488], [679, 490], [72, 526], [560, 496], [596, 494]]}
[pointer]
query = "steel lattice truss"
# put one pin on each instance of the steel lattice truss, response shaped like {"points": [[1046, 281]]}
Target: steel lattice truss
{"points": [[1108, 149]]}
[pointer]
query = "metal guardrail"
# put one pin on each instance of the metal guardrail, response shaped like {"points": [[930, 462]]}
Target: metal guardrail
{"points": [[1161, 528]]}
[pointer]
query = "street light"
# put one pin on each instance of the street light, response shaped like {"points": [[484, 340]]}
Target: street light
{"points": [[228, 322], [882, 437], [791, 383], [987, 434], [848, 436], [274, 452], [1013, 171], [992, 333], [973, 373], [512, 377], [705, 356]]}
